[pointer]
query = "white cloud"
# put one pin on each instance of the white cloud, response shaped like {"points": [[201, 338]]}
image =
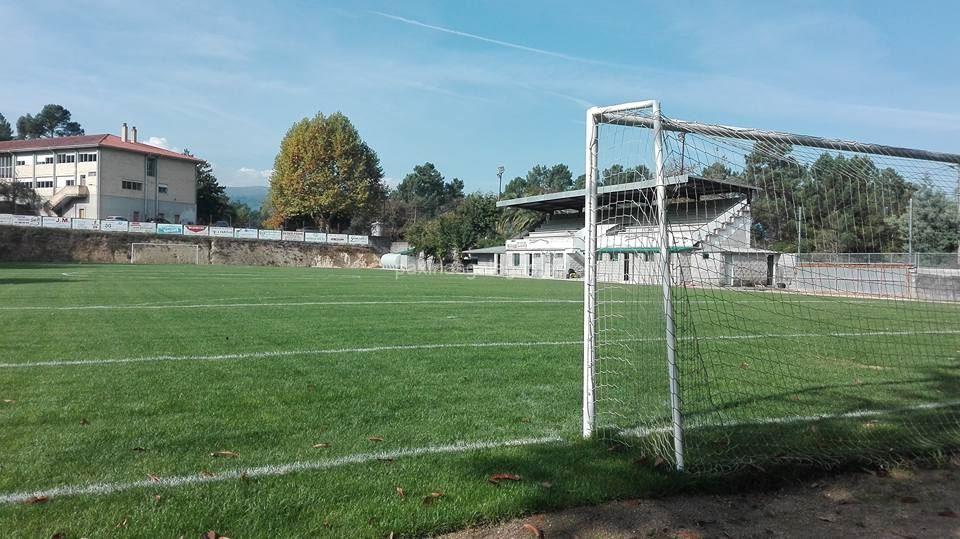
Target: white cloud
{"points": [[245, 177], [162, 142]]}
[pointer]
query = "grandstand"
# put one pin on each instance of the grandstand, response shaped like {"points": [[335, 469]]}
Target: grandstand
{"points": [[709, 232]]}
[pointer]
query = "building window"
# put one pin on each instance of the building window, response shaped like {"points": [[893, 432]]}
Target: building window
{"points": [[176, 218], [66, 158], [6, 166], [92, 174], [152, 166], [136, 217], [614, 257], [45, 184], [44, 159], [162, 188], [131, 186], [71, 181], [516, 259], [706, 256], [28, 185], [88, 158], [21, 161]]}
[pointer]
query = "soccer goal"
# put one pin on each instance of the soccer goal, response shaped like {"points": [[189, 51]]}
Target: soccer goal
{"points": [[753, 295], [164, 253]]}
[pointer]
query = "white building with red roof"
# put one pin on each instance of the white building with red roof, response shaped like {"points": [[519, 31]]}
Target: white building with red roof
{"points": [[100, 176]]}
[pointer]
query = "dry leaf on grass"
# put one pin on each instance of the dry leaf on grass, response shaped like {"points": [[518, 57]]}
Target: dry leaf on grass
{"points": [[138, 449], [909, 499], [321, 445], [400, 492], [432, 497], [386, 460], [498, 477], [225, 454], [58, 535], [207, 473], [34, 500], [84, 422], [157, 498], [9, 401], [154, 478], [375, 438], [948, 513], [688, 534], [121, 524], [546, 484], [533, 530]]}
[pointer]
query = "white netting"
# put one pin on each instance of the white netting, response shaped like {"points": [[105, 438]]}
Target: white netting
{"points": [[815, 288], [164, 253]]}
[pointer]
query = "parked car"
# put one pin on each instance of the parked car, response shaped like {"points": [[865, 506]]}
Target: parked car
{"points": [[222, 224], [308, 229], [158, 220], [116, 218]]}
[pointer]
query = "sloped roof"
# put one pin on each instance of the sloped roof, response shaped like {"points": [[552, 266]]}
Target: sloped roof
{"points": [[89, 141]]}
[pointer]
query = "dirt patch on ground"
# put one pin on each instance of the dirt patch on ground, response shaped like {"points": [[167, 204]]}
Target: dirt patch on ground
{"points": [[896, 504]]}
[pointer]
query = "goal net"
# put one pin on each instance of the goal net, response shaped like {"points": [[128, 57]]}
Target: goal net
{"points": [[164, 253], [759, 296]]}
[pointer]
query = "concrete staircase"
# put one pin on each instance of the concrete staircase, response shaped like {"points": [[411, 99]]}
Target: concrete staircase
{"points": [[64, 197]]}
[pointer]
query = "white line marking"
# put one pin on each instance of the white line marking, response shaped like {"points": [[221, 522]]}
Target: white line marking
{"points": [[388, 348], [283, 353], [101, 489], [283, 304]]}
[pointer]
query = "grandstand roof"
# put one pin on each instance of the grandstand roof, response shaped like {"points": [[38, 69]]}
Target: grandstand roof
{"points": [[683, 185], [500, 249]]}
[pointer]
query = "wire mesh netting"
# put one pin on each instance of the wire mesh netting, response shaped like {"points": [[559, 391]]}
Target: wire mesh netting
{"points": [[815, 295]]}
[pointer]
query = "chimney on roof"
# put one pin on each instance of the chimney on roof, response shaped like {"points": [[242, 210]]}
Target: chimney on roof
{"points": [[123, 132], [134, 133]]}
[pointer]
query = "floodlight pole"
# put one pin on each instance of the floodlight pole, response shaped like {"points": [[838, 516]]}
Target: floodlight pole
{"points": [[500, 170], [666, 283], [590, 275]]}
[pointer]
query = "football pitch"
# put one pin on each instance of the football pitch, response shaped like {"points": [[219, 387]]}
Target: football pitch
{"points": [[171, 400]]}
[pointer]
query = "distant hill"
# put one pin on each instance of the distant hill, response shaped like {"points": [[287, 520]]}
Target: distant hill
{"points": [[252, 196]]}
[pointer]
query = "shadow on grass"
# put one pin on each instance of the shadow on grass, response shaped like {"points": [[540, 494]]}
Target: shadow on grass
{"points": [[37, 280]]}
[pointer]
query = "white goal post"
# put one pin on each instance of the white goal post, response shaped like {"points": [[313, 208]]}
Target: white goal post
{"points": [[164, 253], [750, 295]]}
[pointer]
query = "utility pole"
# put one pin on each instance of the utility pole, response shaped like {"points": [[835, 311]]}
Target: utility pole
{"points": [[500, 170]]}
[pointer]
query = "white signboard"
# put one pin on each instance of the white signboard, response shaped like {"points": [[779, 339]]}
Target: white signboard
{"points": [[289, 235], [114, 226], [341, 239], [246, 233], [359, 240], [194, 230], [6, 219], [270, 235], [167, 228], [315, 237], [56, 222], [143, 228], [26, 220], [221, 231], [85, 224]]}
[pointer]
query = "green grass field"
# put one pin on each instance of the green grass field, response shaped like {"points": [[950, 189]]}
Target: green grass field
{"points": [[338, 390]]}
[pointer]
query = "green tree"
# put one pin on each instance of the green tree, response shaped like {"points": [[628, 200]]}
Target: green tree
{"points": [[778, 178], [242, 215], [935, 221], [212, 200], [473, 223], [426, 193], [540, 180], [325, 173], [617, 175], [6, 133], [16, 197], [51, 121]]}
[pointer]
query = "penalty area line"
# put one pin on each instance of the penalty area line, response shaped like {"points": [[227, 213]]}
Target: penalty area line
{"points": [[103, 489]]}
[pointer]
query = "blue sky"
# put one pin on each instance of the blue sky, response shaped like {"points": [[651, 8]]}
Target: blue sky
{"points": [[472, 85]]}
